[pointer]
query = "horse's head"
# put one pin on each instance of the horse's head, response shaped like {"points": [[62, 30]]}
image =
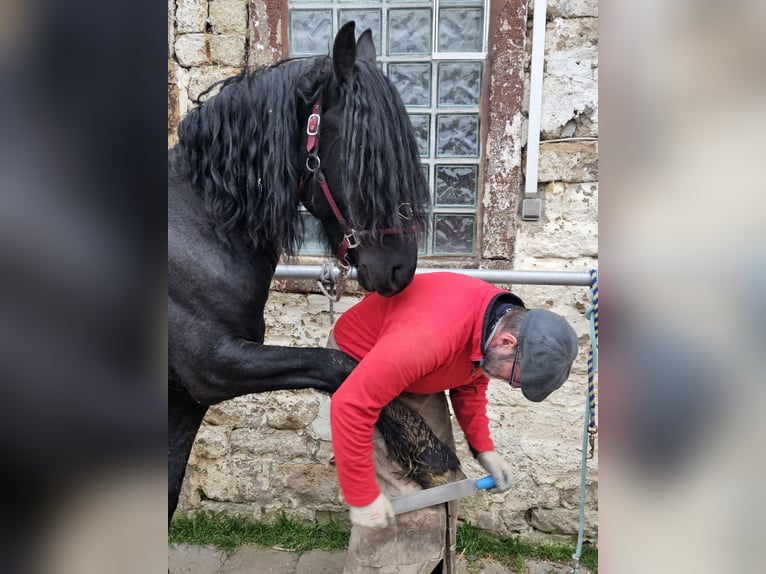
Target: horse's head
{"points": [[364, 181]]}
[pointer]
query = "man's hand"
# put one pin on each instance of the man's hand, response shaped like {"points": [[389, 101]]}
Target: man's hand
{"points": [[378, 514], [498, 468]]}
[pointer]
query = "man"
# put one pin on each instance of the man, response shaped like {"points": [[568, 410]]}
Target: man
{"points": [[444, 332]]}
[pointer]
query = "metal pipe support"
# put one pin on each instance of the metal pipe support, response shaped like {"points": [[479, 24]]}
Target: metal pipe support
{"points": [[488, 275]]}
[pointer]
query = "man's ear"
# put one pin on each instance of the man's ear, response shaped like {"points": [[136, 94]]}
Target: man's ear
{"points": [[503, 340]]}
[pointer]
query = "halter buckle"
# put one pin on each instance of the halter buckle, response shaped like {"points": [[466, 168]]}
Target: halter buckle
{"points": [[351, 239], [312, 126]]}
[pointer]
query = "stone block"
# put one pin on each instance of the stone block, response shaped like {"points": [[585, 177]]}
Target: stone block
{"points": [[192, 50], [212, 441], [227, 16], [561, 202], [572, 162], [292, 409], [238, 478], [247, 411], [569, 228], [191, 16], [276, 445], [570, 83], [200, 79], [571, 8], [563, 521], [257, 559], [227, 49], [185, 558], [313, 486], [321, 562]]}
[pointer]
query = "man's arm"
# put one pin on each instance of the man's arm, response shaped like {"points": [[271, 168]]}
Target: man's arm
{"points": [[387, 370], [469, 402], [470, 405]]}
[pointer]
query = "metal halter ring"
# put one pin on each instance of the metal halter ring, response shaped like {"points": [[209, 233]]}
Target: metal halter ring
{"points": [[312, 163]]}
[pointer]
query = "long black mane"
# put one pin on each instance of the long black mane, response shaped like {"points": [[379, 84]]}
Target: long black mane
{"points": [[382, 162], [241, 151]]}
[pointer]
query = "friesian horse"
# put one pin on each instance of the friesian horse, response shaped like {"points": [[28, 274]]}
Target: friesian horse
{"points": [[330, 133]]}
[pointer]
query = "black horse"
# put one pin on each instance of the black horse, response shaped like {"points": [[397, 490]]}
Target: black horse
{"points": [[331, 133]]}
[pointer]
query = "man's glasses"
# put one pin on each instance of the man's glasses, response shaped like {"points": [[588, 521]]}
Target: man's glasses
{"points": [[513, 380]]}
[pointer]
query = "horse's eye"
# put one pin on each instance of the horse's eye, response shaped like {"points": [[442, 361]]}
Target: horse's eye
{"points": [[405, 211]]}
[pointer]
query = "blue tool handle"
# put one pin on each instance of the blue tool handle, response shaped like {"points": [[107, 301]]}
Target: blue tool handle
{"points": [[486, 482]]}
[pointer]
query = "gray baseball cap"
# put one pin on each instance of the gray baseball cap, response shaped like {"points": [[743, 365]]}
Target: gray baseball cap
{"points": [[547, 345]]}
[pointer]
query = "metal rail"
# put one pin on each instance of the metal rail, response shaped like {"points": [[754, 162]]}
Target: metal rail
{"points": [[489, 275]]}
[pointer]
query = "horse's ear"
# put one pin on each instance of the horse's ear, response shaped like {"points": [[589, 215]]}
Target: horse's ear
{"points": [[344, 53], [365, 47]]}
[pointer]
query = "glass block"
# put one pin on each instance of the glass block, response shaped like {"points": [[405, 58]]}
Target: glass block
{"points": [[364, 19], [413, 82], [453, 234], [356, 1], [461, 29], [310, 32], [456, 185], [422, 244], [457, 135], [459, 83], [312, 232], [409, 31], [421, 124]]}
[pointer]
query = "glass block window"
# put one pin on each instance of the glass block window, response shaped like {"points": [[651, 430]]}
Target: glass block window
{"points": [[434, 52]]}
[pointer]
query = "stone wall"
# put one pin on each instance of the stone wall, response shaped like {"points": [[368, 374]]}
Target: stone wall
{"points": [[267, 453], [210, 40]]}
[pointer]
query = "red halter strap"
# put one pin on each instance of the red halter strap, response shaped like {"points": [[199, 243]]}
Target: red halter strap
{"points": [[313, 166]]}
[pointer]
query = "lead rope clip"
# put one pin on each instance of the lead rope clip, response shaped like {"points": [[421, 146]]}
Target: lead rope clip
{"points": [[331, 287]]}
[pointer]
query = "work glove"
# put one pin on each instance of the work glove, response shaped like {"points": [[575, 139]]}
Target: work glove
{"points": [[498, 468], [378, 514]]}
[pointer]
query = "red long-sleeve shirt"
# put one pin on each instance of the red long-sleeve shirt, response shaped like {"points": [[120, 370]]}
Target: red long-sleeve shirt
{"points": [[423, 340]]}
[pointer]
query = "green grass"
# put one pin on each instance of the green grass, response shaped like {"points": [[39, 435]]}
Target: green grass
{"points": [[228, 532], [512, 551]]}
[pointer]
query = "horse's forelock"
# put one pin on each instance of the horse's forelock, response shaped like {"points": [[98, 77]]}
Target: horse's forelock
{"points": [[239, 148], [383, 169]]}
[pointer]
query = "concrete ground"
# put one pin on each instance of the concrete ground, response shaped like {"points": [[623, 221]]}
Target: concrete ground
{"points": [[251, 559]]}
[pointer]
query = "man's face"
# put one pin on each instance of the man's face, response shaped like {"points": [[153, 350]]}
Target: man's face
{"points": [[499, 363]]}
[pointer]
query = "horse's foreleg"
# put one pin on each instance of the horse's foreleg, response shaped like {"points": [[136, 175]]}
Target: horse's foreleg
{"points": [[240, 367], [184, 418], [413, 445]]}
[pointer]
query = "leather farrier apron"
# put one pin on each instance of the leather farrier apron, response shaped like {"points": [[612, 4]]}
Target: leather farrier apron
{"points": [[418, 540]]}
